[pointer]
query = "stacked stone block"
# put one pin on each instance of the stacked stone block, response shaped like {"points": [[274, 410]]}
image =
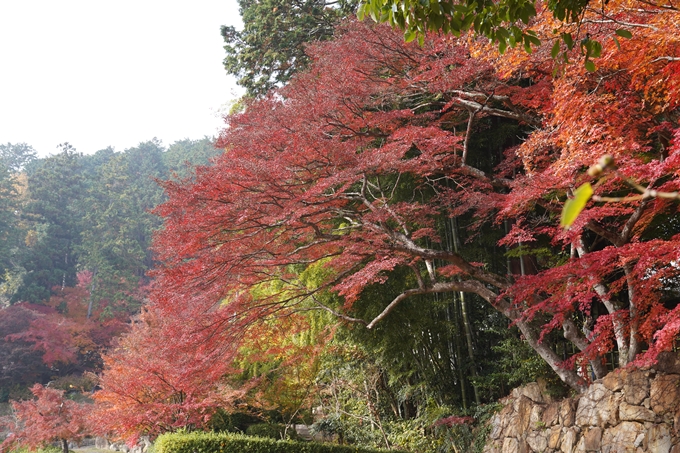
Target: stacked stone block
{"points": [[636, 411]]}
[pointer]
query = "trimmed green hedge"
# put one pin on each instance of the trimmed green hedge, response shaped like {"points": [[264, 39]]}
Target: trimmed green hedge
{"points": [[198, 442], [272, 431]]}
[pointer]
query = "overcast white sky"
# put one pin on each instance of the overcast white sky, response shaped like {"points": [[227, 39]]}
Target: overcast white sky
{"points": [[100, 73]]}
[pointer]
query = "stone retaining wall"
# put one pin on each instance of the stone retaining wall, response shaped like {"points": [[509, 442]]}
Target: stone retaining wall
{"points": [[626, 411]]}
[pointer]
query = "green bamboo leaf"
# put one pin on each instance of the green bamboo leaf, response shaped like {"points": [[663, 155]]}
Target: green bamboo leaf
{"points": [[574, 206]]}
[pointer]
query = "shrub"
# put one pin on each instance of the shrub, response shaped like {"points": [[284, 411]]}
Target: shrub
{"points": [[272, 431], [198, 442]]}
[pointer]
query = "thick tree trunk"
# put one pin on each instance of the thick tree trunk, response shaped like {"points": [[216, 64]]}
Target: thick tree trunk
{"points": [[618, 323], [64, 445], [531, 335], [612, 307], [569, 377]]}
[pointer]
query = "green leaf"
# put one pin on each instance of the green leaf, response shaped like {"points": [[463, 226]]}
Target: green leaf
{"points": [[467, 22], [595, 49], [400, 20], [555, 49], [574, 206], [502, 46], [517, 33], [524, 16], [534, 40], [530, 7], [624, 33], [590, 66], [568, 40], [618, 44], [410, 35], [502, 33], [361, 12], [477, 21], [436, 21]]}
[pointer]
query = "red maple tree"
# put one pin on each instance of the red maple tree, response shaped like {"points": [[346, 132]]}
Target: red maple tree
{"points": [[61, 331], [354, 164], [163, 375], [48, 418]]}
